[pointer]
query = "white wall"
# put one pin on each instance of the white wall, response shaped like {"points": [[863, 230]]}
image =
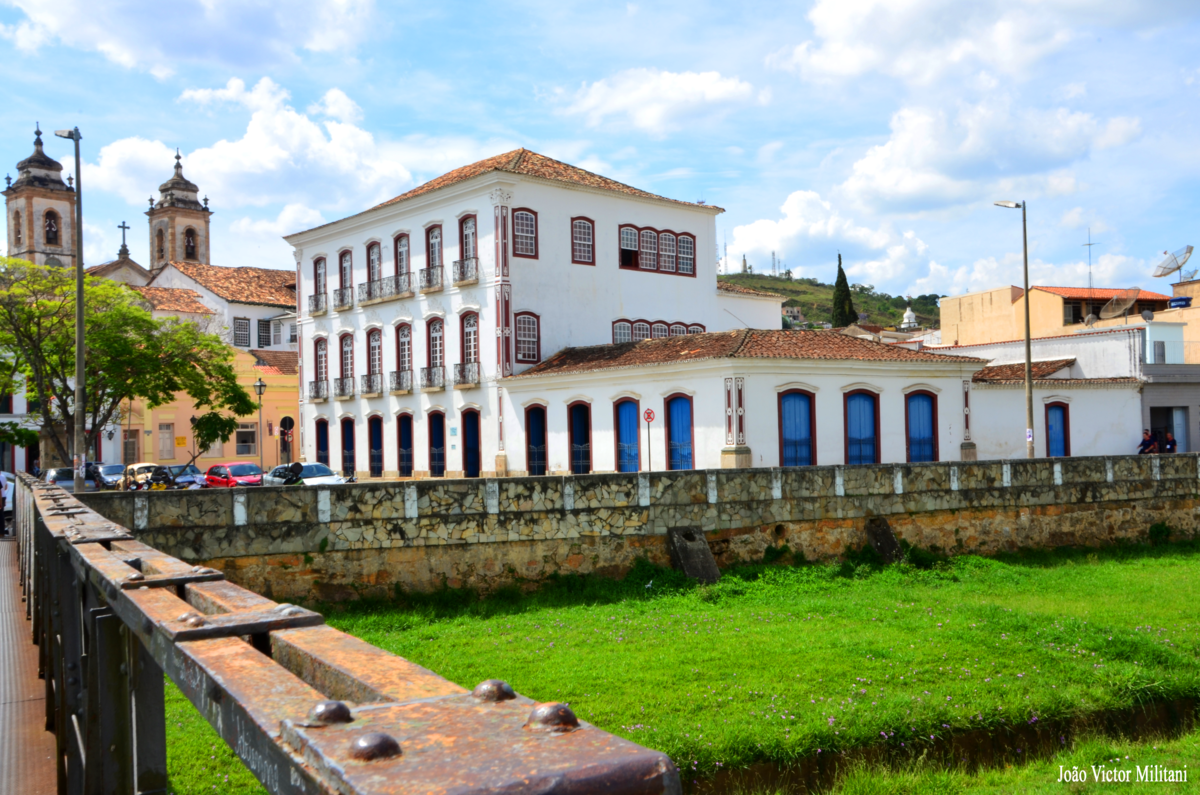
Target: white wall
{"points": [[1101, 354], [1103, 420], [226, 311]]}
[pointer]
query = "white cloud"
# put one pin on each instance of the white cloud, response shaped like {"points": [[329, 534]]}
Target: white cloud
{"points": [[1108, 270], [292, 218], [336, 105], [659, 102], [1078, 218], [148, 35], [1073, 90]]}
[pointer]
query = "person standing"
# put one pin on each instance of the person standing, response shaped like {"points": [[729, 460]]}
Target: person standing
{"points": [[1149, 443], [1169, 444]]}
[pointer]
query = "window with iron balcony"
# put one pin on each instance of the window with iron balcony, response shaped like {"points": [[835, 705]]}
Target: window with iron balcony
{"points": [[466, 269], [431, 274], [372, 382], [466, 372], [433, 377], [400, 379], [319, 300]]}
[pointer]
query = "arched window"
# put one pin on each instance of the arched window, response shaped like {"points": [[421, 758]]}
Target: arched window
{"points": [[920, 426], [347, 447], [318, 275], [346, 271], [525, 241], [322, 351], [467, 239], [695, 329], [862, 427], [797, 429], [529, 342], [322, 435], [403, 347], [189, 243], [658, 331], [375, 446], [579, 420], [348, 356], [678, 330], [17, 227], [535, 440], [433, 246], [401, 254], [629, 247], [374, 352], [1058, 430], [51, 228], [687, 255], [648, 257], [666, 252], [435, 422], [404, 425], [160, 245], [472, 452], [583, 241], [679, 432], [641, 331], [437, 346], [470, 338], [374, 263], [628, 439], [622, 331]]}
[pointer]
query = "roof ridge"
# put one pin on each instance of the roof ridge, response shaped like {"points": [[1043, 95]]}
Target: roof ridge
{"points": [[746, 332]]}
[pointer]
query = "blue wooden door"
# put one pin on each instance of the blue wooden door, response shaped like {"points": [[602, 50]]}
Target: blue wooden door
{"points": [[795, 415], [1056, 430], [628, 448], [348, 447], [323, 442], [920, 428], [471, 451], [437, 445], [375, 442], [581, 439], [406, 446], [860, 429], [679, 425], [535, 440]]}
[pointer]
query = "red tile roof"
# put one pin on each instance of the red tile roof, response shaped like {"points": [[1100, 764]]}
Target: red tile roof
{"points": [[1016, 372], [173, 299], [244, 285], [100, 271], [737, 289], [741, 344], [276, 362], [1097, 293]]}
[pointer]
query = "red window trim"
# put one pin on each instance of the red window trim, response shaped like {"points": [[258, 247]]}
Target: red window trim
{"points": [[537, 233], [640, 269], [429, 341], [342, 359], [462, 243], [617, 431], [369, 333], [846, 424], [429, 415], [516, 345], [462, 338], [812, 420], [593, 225], [937, 455], [441, 248], [325, 262], [571, 436], [316, 450], [651, 324], [341, 275], [545, 430], [399, 326], [396, 254], [667, 426], [1066, 407], [318, 344]]}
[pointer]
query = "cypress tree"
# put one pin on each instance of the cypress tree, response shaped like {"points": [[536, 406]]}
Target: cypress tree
{"points": [[843, 305]]}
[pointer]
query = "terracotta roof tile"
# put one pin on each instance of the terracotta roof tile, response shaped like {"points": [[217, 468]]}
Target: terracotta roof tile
{"points": [[280, 362], [244, 285], [1056, 382], [737, 289], [741, 344], [1098, 293], [1016, 372], [173, 299]]}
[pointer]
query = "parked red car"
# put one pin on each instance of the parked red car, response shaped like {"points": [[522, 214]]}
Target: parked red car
{"points": [[234, 473]]}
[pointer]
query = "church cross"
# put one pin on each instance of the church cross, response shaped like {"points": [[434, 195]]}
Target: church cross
{"points": [[124, 227]]}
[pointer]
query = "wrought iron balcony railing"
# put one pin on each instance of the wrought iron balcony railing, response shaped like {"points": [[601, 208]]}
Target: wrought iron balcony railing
{"points": [[400, 382], [433, 378], [466, 374], [431, 279], [343, 387], [383, 289], [318, 390], [318, 303], [343, 298], [372, 384], [466, 271]]}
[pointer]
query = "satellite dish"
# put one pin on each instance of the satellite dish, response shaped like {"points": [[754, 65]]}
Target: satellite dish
{"points": [[862, 317], [1172, 262], [1189, 275], [1090, 320], [1147, 315], [1120, 303]]}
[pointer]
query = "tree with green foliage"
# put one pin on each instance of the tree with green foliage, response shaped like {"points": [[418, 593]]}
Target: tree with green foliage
{"points": [[130, 355], [843, 304]]}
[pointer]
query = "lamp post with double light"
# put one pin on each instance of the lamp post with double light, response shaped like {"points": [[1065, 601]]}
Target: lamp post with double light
{"points": [[1028, 352], [79, 457], [260, 386]]}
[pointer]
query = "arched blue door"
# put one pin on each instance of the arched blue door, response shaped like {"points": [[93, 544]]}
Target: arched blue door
{"points": [[471, 452], [861, 445], [795, 421], [535, 440], [629, 454], [921, 439], [437, 445], [348, 447], [679, 432], [581, 439], [1057, 439], [323, 442], [406, 446], [375, 443]]}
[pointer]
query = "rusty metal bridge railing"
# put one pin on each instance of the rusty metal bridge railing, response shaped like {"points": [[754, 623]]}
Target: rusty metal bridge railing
{"points": [[307, 708]]}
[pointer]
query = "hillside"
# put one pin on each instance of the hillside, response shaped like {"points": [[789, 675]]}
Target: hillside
{"points": [[816, 299]]}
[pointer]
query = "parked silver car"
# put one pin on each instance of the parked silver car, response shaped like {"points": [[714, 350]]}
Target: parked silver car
{"points": [[65, 478], [310, 475]]}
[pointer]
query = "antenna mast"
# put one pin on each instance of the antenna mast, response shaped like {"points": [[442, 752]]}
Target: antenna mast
{"points": [[1091, 294]]}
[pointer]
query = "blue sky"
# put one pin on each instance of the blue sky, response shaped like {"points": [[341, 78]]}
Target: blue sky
{"points": [[881, 128]]}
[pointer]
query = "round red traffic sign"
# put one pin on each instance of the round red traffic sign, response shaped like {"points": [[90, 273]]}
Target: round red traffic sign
{"points": [[648, 415]]}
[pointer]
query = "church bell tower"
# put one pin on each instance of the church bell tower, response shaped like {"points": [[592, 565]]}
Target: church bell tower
{"points": [[178, 222], [40, 209]]}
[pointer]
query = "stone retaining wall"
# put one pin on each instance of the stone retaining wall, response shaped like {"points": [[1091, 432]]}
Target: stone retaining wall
{"points": [[366, 538]]}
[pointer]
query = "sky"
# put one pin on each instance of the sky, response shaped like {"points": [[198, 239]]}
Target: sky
{"points": [[880, 129]]}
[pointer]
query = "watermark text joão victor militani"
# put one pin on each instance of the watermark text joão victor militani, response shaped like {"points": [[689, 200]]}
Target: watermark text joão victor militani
{"points": [[1103, 774]]}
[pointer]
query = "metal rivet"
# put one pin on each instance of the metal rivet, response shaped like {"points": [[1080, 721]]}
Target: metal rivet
{"points": [[330, 712], [283, 607], [374, 745], [552, 717], [196, 621], [294, 611], [137, 575], [196, 569], [493, 690]]}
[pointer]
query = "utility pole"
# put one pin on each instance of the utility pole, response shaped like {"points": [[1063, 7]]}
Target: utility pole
{"points": [[79, 454]]}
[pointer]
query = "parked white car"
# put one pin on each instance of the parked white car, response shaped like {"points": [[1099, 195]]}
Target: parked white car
{"points": [[310, 475], [12, 484]]}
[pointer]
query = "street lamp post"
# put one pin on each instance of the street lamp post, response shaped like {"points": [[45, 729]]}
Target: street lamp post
{"points": [[260, 386], [1028, 352], [80, 455]]}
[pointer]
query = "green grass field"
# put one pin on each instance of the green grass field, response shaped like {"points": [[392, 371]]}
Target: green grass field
{"points": [[777, 663]]}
